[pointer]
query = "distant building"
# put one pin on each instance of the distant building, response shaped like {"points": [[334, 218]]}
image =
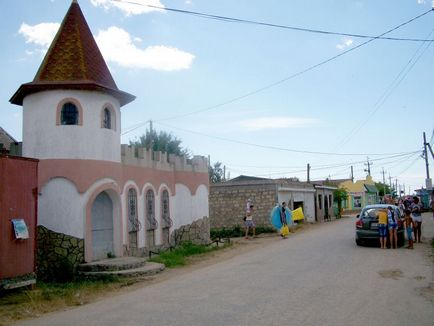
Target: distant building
{"points": [[360, 193], [8, 144], [227, 200]]}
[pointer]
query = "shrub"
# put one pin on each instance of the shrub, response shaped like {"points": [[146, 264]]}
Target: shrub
{"points": [[237, 231]]}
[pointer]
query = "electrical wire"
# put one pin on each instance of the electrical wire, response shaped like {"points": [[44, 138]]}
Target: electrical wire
{"points": [[299, 73], [388, 92], [274, 147], [302, 170], [253, 22], [401, 157], [411, 164]]}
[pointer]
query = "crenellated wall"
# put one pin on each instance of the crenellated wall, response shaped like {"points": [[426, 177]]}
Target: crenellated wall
{"points": [[140, 157]]}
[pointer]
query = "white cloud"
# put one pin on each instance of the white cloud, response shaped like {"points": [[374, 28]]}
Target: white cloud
{"points": [[276, 123], [346, 42], [41, 34], [421, 2], [117, 46], [188, 2], [130, 8]]}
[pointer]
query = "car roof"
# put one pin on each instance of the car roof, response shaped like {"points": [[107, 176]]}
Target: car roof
{"points": [[380, 206]]}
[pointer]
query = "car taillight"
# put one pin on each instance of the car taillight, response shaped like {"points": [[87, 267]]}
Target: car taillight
{"points": [[359, 224]]}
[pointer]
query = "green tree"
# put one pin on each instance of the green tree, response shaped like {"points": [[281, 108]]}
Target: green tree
{"points": [[216, 173], [164, 142], [339, 196], [381, 188]]}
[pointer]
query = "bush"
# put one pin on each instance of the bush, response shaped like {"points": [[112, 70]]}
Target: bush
{"points": [[237, 231]]}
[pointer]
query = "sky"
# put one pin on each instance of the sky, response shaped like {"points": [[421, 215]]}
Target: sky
{"points": [[263, 100]]}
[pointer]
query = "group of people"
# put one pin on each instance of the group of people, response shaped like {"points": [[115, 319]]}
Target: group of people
{"points": [[249, 224], [387, 219]]}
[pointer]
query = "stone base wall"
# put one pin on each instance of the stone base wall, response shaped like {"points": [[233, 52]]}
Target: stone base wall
{"points": [[227, 204], [58, 255], [197, 232]]}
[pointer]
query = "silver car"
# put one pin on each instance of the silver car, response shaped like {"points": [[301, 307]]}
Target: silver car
{"points": [[367, 225]]}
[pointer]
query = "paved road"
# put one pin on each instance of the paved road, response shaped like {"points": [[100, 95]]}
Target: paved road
{"points": [[316, 277]]}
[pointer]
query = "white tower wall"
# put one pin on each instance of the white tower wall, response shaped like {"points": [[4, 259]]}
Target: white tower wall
{"points": [[44, 138]]}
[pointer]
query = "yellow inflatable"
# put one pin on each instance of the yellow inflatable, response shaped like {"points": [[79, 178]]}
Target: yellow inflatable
{"points": [[297, 214]]}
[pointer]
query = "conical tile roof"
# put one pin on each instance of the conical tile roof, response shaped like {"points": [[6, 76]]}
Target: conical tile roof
{"points": [[73, 61]]}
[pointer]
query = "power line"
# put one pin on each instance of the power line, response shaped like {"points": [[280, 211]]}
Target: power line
{"points": [[388, 92], [411, 164], [401, 157], [293, 75], [275, 147], [253, 22]]}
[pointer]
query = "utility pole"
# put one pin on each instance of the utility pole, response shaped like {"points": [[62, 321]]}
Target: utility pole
{"points": [[428, 181], [308, 172], [151, 140], [352, 174], [396, 187], [369, 166], [384, 182]]}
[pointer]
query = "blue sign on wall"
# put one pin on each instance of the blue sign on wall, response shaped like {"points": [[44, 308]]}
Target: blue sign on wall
{"points": [[20, 228]]}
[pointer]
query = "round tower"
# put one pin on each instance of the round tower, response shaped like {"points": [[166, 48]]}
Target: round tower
{"points": [[71, 110]]}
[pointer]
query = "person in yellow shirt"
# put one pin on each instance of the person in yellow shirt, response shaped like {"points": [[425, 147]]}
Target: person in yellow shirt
{"points": [[382, 227]]}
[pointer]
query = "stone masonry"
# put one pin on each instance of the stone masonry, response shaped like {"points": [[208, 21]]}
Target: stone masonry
{"points": [[196, 232], [227, 203], [58, 254]]}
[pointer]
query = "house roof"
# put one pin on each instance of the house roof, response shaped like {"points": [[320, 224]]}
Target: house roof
{"points": [[73, 61], [6, 139], [371, 188], [242, 178]]}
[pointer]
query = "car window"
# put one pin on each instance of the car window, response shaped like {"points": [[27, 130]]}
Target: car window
{"points": [[369, 213]]}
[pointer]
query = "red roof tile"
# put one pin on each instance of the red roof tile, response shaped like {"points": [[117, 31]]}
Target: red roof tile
{"points": [[73, 61]]}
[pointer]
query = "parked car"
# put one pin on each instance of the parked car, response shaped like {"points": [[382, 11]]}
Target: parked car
{"points": [[367, 225]]}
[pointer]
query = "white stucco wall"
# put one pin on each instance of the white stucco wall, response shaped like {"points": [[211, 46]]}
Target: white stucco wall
{"points": [[61, 208], [43, 139], [200, 202], [306, 196], [182, 212]]}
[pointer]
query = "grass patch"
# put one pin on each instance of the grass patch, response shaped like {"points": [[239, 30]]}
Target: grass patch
{"points": [[47, 297], [178, 256]]}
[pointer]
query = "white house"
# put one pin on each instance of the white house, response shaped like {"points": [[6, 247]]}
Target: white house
{"points": [[100, 197]]}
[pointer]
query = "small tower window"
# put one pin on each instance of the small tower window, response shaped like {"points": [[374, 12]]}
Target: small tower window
{"points": [[107, 122], [69, 114]]}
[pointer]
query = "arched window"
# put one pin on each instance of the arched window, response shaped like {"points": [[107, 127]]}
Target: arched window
{"points": [[150, 209], [165, 211], [133, 222], [107, 120], [69, 114]]}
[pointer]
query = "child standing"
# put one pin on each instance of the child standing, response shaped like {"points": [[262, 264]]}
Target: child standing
{"points": [[409, 226], [392, 222], [249, 224], [382, 227], [283, 220]]}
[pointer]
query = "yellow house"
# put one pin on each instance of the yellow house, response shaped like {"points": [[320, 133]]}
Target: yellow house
{"points": [[360, 193]]}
